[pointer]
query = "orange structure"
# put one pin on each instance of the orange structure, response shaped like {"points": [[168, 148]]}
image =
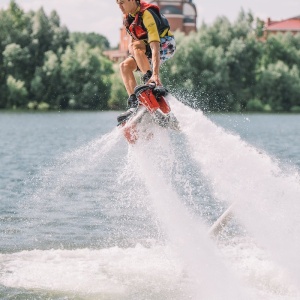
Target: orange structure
{"points": [[289, 25], [121, 53], [182, 16]]}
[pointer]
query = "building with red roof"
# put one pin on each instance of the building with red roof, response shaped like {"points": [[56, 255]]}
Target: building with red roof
{"points": [[289, 25], [181, 14]]}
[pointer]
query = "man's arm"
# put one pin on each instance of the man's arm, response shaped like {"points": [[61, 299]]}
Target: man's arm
{"points": [[155, 49], [154, 42]]}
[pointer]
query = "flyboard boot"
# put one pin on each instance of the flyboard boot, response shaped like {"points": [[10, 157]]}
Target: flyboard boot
{"points": [[152, 97], [162, 115], [132, 106], [149, 101], [132, 101]]}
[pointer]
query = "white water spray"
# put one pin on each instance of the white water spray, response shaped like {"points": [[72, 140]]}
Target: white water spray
{"points": [[268, 201], [210, 279], [267, 206], [73, 164]]}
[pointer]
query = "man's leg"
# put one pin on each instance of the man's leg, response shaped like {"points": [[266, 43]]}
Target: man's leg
{"points": [[127, 67], [138, 49]]}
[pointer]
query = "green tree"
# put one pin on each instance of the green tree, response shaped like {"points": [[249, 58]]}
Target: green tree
{"points": [[254, 105], [17, 93], [220, 33], [14, 29], [204, 73], [60, 34], [242, 59], [14, 26], [279, 86], [46, 84], [42, 36], [259, 28], [93, 39], [118, 93], [16, 61], [85, 77], [282, 47]]}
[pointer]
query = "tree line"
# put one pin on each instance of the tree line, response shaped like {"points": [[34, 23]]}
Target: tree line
{"points": [[43, 65], [230, 67], [223, 67]]}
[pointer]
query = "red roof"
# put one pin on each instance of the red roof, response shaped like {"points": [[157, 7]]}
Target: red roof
{"points": [[292, 24]]}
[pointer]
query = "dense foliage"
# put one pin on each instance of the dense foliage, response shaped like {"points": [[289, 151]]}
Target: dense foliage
{"points": [[231, 67], [43, 66], [223, 67]]}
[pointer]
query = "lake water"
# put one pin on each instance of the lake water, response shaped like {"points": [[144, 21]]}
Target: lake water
{"points": [[85, 216]]}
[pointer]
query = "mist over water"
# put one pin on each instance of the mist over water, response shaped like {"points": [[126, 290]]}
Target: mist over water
{"points": [[209, 277], [267, 199], [118, 221]]}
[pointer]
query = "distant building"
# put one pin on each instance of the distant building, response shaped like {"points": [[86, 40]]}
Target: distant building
{"points": [[182, 16], [289, 25]]}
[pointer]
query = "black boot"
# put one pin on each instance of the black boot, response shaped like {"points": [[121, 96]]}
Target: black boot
{"points": [[133, 104], [146, 76]]}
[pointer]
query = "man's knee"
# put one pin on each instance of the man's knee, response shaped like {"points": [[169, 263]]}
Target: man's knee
{"points": [[127, 65], [123, 65]]}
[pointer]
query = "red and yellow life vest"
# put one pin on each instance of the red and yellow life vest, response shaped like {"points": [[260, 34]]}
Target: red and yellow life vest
{"points": [[136, 28]]}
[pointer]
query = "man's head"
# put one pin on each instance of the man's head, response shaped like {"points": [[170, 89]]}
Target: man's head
{"points": [[128, 6]]}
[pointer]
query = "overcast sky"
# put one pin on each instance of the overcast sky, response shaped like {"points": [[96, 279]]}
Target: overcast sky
{"points": [[104, 16]]}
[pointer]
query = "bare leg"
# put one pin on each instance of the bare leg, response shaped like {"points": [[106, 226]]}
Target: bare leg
{"points": [[127, 67], [139, 49]]}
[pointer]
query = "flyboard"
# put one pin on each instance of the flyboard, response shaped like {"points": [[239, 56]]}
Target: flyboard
{"points": [[153, 110]]}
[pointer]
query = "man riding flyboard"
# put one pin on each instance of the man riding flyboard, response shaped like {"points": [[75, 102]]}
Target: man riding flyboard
{"points": [[152, 44]]}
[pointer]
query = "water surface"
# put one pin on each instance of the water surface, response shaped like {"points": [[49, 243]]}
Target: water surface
{"points": [[77, 220]]}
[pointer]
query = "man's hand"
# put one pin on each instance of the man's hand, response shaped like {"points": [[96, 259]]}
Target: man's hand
{"points": [[154, 78]]}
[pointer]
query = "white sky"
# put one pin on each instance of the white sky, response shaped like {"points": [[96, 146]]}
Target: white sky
{"points": [[104, 16]]}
